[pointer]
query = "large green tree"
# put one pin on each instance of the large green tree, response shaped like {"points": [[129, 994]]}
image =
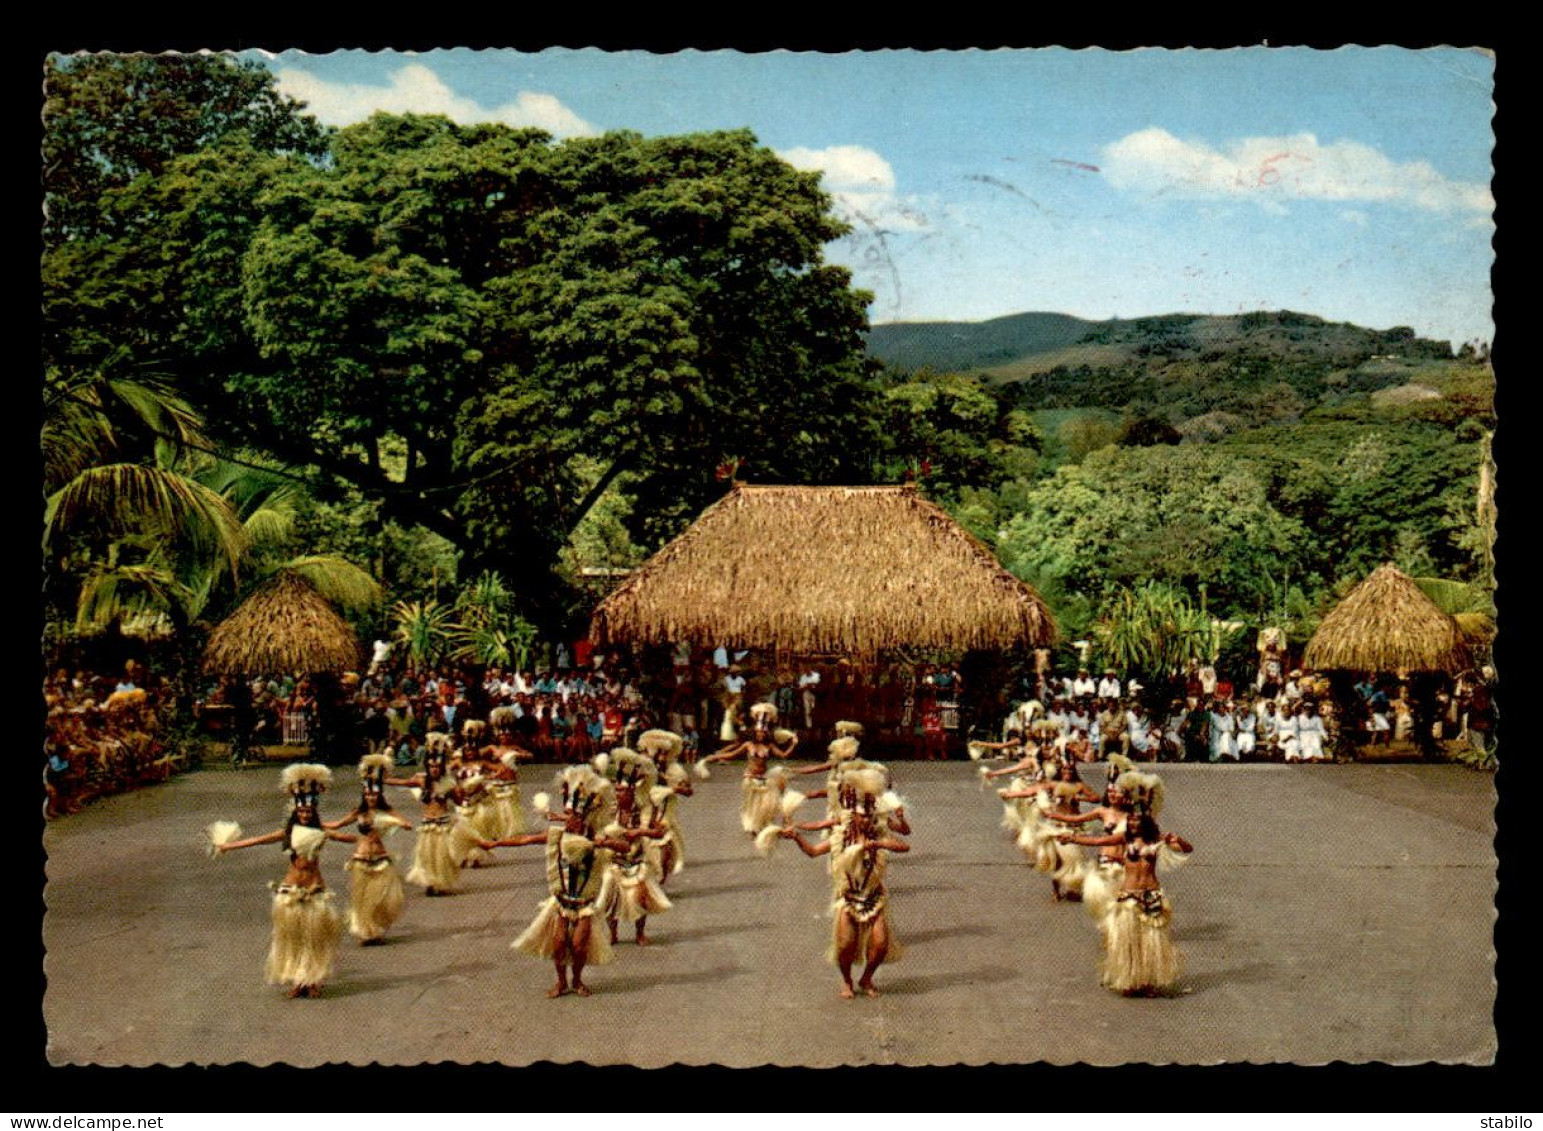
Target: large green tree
{"points": [[505, 309], [109, 119]]}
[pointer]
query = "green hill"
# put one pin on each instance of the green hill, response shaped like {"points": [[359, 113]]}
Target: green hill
{"points": [[973, 346], [1022, 346]]}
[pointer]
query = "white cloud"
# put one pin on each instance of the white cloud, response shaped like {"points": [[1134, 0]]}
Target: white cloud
{"points": [[862, 184], [416, 89], [845, 167], [1271, 169]]}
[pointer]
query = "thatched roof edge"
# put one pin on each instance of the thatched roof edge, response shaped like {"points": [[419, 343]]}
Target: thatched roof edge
{"points": [[843, 614]]}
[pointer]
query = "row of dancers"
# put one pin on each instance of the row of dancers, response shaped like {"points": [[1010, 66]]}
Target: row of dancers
{"points": [[614, 840], [609, 850], [1118, 885]]}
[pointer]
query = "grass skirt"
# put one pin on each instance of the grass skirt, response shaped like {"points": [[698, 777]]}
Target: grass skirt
{"points": [[464, 836], [510, 817], [759, 805], [1139, 955], [306, 927], [1070, 867], [637, 893], [1101, 886], [433, 864], [1037, 842], [865, 921], [540, 939], [375, 899]]}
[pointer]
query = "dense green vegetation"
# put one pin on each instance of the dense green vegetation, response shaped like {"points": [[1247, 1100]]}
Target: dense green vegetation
{"points": [[437, 351]]}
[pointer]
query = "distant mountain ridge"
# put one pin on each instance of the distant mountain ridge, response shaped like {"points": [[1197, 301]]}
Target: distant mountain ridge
{"points": [[1019, 346]]}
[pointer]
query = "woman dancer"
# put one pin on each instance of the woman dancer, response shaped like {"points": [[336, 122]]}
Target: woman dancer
{"points": [[503, 756], [635, 871], [306, 926], [665, 747], [1057, 796], [760, 795], [375, 898], [576, 873], [859, 848], [435, 866], [1101, 881], [1139, 956]]}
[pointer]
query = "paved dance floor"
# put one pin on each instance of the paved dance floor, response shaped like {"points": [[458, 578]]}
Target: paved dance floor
{"points": [[1328, 913]]}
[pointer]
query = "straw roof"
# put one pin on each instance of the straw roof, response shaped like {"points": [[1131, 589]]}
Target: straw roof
{"points": [[285, 626], [1387, 624], [825, 569]]}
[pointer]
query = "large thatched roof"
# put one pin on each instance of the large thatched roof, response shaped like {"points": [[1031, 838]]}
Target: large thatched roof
{"points": [[285, 626], [825, 569], [1386, 624]]}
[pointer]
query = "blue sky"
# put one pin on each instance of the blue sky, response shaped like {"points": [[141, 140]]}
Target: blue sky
{"points": [[1352, 184]]}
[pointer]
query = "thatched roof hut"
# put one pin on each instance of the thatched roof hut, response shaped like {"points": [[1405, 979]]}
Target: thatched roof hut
{"points": [[825, 569], [1387, 624], [285, 626]]}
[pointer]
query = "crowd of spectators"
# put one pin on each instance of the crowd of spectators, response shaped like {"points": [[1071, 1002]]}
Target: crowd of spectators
{"points": [[103, 734]]}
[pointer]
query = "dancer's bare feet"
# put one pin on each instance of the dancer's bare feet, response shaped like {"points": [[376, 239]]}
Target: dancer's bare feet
{"points": [[848, 993], [869, 989], [581, 989], [296, 991], [643, 940], [557, 990]]}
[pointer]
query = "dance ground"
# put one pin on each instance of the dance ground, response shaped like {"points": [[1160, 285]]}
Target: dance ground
{"points": [[1328, 913]]}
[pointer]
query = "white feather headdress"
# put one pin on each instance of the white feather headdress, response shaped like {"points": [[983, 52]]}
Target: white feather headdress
{"points": [[304, 776]]}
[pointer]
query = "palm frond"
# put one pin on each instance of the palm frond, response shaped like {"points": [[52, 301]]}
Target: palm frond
{"points": [[480, 643], [159, 407], [112, 591], [423, 627], [125, 496], [338, 580]]}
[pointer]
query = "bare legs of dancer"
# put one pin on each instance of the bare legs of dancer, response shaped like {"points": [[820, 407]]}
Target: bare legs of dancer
{"points": [[570, 944], [847, 935]]}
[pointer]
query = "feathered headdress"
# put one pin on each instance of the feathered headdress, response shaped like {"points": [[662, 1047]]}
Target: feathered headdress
{"points": [[1144, 790], [589, 795], [375, 765], [502, 718], [843, 749], [627, 767], [437, 744], [860, 787], [473, 729], [846, 728], [305, 782], [1118, 764], [763, 713], [656, 742]]}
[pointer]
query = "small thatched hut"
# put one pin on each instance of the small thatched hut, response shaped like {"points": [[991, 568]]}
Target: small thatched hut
{"points": [[825, 569], [285, 626], [1387, 624]]}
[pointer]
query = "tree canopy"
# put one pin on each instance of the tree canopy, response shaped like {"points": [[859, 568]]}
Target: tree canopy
{"points": [[501, 306], [112, 118]]}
